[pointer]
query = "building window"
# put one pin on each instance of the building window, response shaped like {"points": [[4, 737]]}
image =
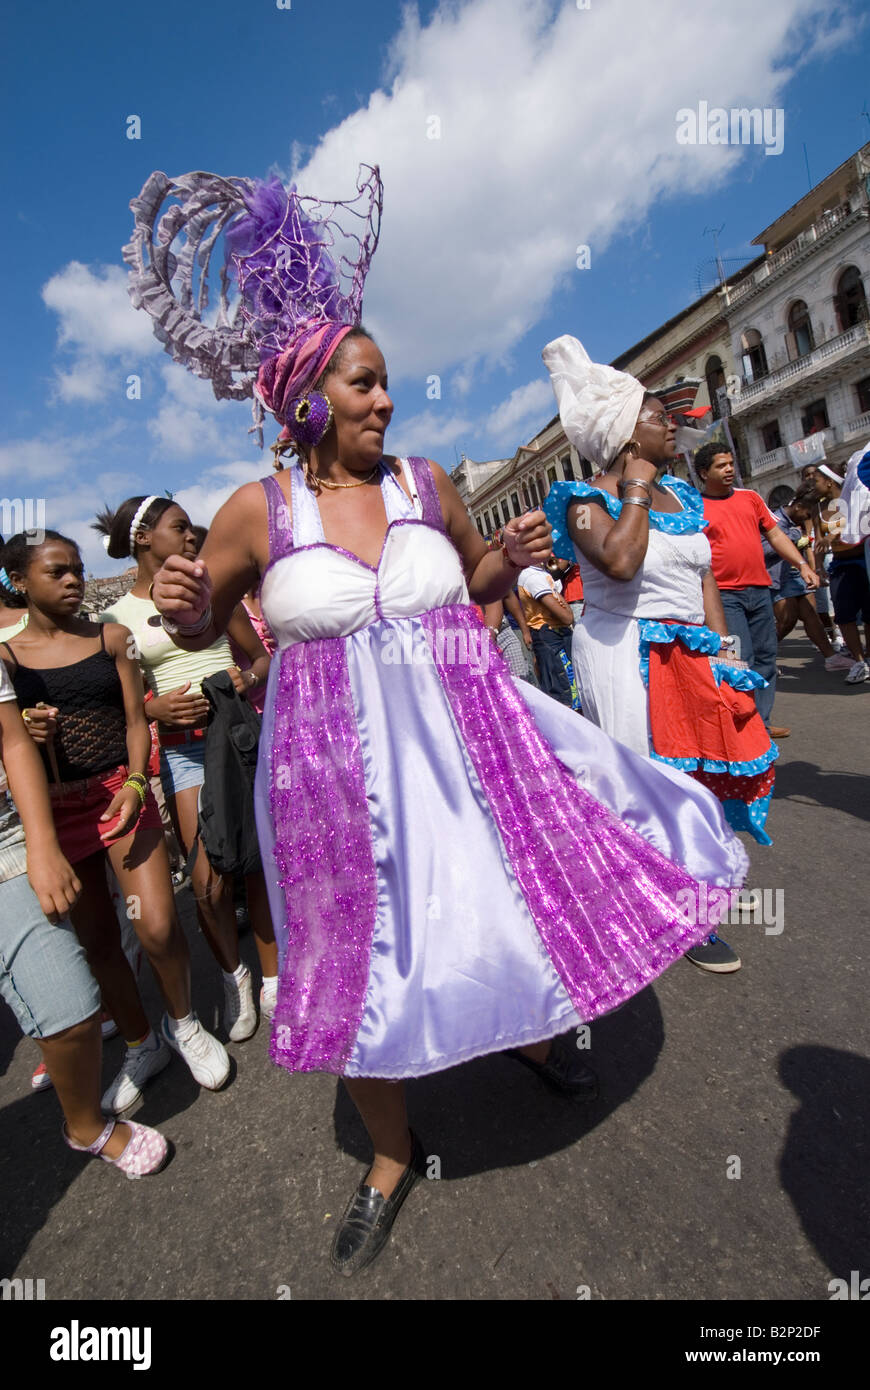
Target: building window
{"points": [[568, 469], [714, 374], [487, 529], [815, 418], [551, 477], [849, 301], [515, 503], [799, 339], [505, 513], [754, 356], [863, 390], [586, 468], [770, 436]]}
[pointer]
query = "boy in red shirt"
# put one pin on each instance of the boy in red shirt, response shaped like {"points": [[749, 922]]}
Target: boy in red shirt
{"points": [[736, 519]]}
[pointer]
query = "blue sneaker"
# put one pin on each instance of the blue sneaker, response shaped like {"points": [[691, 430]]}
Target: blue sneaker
{"points": [[715, 955]]}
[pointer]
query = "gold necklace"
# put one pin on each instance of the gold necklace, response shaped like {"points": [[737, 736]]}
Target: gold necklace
{"points": [[325, 482]]}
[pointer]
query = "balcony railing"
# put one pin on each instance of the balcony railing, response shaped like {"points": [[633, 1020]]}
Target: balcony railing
{"points": [[766, 463], [852, 340], [859, 426], [780, 259]]}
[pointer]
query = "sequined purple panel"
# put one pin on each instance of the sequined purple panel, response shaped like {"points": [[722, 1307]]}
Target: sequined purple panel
{"points": [[601, 897], [428, 493], [323, 854]]}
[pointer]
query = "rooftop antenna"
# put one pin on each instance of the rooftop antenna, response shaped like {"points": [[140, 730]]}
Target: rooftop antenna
{"points": [[866, 113], [714, 232]]}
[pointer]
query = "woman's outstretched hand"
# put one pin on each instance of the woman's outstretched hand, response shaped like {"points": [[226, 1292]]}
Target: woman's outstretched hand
{"points": [[528, 540], [182, 589]]}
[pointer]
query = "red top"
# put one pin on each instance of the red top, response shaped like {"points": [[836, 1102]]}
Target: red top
{"points": [[572, 585], [734, 530]]}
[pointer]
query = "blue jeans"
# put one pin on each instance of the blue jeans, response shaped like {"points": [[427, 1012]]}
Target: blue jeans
{"points": [[749, 613]]}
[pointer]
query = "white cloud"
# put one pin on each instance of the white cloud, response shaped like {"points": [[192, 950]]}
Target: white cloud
{"points": [[191, 423], [527, 405], [203, 498], [427, 432], [97, 323], [555, 132]]}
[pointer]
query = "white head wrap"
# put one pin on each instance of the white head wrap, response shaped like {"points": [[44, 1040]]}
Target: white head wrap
{"points": [[598, 405]]}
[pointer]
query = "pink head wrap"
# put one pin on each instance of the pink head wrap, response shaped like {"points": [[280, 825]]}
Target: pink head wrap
{"points": [[292, 372]]}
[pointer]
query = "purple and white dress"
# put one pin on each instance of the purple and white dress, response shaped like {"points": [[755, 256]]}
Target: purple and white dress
{"points": [[456, 863]]}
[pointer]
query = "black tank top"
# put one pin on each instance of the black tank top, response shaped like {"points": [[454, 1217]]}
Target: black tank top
{"points": [[91, 734]]}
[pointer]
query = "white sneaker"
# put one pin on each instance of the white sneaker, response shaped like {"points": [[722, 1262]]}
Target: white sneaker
{"points": [[207, 1058], [838, 662], [139, 1065], [269, 998], [860, 672], [240, 1015]]}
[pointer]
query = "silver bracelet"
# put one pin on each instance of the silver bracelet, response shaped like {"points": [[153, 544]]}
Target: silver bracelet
{"points": [[636, 502], [187, 629]]}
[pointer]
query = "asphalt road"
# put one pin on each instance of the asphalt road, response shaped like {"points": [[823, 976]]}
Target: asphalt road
{"points": [[764, 1073]]}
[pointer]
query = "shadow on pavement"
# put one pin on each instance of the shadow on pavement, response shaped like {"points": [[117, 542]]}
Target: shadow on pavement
{"points": [[37, 1168], [494, 1113], [808, 783], [825, 1163]]}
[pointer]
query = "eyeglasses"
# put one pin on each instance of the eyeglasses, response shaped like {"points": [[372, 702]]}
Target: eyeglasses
{"points": [[655, 417]]}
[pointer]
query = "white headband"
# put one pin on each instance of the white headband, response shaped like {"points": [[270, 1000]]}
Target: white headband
{"points": [[829, 473], [134, 524]]}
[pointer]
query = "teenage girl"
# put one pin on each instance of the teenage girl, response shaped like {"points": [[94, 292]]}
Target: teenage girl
{"points": [[150, 529], [44, 975], [79, 689]]}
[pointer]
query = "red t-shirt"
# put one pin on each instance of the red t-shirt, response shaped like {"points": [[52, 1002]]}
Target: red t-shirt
{"points": [[734, 528], [572, 585]]}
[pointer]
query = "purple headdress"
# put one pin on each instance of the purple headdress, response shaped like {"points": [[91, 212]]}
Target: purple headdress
{"points": [[300, 264]]}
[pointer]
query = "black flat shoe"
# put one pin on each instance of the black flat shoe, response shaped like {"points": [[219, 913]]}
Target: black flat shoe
{"points": [[366, 1225], [563, 1072]]}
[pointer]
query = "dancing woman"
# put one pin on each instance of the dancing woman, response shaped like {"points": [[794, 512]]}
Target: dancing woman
{"points": [[652, 652], [150, 529], [442, 885], [81, 696]]}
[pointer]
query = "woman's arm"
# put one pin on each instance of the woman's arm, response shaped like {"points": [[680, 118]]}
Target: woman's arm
{"points": [[244, 634], [515, 608], [489, 573], [127, 805], [616, 548], [780, 542], [52, 879], [230, 563], [714, 613]]}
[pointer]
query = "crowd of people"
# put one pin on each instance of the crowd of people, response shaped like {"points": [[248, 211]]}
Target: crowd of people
{"points": [[457, 857]]}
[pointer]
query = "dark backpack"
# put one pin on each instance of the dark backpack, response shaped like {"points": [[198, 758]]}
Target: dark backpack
{"points": [[227, 829]]}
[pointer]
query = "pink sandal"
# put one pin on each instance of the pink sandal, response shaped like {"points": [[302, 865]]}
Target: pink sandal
{"points": [[146, 1150]]}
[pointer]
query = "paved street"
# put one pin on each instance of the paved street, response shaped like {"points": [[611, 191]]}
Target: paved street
{"points": [[630, 1196]]}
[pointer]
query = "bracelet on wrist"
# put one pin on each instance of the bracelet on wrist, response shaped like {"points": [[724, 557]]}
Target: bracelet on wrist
{"points": [[187, 629], [623, 483], [138, 777], [636, 502], [140, 791]]}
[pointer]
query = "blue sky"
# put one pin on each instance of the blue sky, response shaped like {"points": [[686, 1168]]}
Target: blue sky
{"points": [[557, 128]]}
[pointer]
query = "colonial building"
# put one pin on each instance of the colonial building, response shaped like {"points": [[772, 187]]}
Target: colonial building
{"points": [[781, 349], [800, 332]]}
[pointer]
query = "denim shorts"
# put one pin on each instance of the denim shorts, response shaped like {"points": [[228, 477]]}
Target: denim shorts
{"points": [[44, 973], [182, 765], [792, 586]]}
